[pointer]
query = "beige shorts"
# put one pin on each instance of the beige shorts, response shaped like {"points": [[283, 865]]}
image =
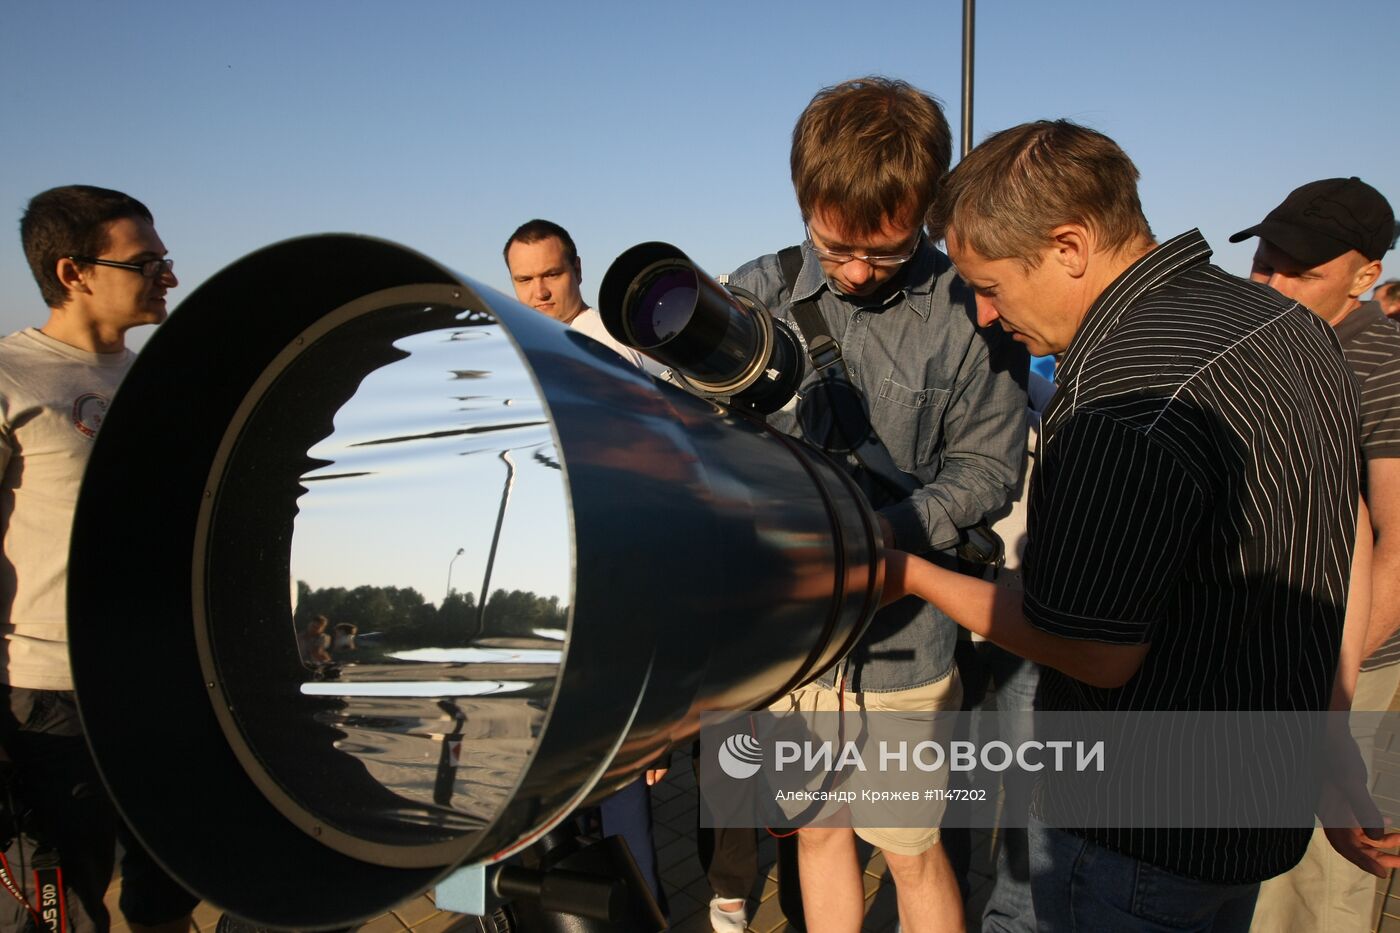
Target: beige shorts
{"points": [[941, 696]]}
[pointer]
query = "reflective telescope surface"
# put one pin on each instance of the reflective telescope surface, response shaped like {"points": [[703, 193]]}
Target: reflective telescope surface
{"points": [[425, 460], [408, 572]]}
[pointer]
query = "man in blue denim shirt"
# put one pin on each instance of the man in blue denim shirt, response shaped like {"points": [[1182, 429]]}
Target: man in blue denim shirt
{"points": [[946, 398]]}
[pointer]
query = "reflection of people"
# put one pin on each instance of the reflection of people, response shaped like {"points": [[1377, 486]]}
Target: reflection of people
{"points": [[1191, 526], [1322, 247], [314, 642], [546, 272], [344, 639], [102, 270], [945, 399]]}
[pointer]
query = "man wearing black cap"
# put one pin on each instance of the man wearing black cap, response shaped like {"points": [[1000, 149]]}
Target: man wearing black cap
{"points": [[1322, 247]]}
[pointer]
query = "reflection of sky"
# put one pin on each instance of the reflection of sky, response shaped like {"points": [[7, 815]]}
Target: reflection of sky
{"points": [[415, 473]]}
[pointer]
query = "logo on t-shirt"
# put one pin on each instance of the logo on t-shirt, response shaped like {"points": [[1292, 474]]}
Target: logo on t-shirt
{"points": [[88, 411]]}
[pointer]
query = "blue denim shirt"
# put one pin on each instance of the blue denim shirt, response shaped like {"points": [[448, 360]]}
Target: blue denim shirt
{"points": [[948, 400]]}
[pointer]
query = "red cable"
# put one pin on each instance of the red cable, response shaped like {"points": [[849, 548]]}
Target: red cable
{"points": [[7, 880]]}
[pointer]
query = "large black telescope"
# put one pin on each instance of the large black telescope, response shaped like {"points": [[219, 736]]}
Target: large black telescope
{"points": [[557, 565]]}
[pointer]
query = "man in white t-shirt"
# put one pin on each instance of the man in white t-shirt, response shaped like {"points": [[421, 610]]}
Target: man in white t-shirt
{"points": [[546, 273], [102, 270]]}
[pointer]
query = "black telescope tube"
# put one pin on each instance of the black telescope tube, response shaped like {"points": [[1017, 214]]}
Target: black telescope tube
{"points": [[695, 562], [654, 298]]}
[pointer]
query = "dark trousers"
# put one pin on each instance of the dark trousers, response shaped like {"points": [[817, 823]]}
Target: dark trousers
{"points": [[730, 859], [729, 856], [982, 665], [57, 813], [627, 813]]}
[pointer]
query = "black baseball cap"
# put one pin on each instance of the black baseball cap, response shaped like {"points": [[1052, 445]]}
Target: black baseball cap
{"points": [[1319, 221]]}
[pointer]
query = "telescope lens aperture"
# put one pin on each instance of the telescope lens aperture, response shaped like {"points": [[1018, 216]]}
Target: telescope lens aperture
{"points": [[665, 304]]}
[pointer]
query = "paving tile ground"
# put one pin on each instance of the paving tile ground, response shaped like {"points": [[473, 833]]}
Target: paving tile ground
{"points": [[674, 803]]}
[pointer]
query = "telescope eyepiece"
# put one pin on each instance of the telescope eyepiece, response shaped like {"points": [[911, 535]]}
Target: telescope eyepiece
{"points": [[722, 343]]}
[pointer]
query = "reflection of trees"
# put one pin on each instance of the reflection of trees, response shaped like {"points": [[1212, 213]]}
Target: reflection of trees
{"points": [[404, 619]]}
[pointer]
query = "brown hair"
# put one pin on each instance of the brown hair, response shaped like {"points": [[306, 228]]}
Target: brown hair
{"points": [[70, 221], [869, 148], [1018, 185], [533, 231]]}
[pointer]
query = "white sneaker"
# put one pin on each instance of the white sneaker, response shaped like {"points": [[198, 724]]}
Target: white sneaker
{"points": [[728, 921]]}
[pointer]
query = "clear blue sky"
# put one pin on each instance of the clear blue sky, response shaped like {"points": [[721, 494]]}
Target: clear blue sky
{"points": [[443, 125]]}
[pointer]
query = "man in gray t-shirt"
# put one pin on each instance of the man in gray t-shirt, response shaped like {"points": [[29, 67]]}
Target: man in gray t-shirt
{"points": [[101, 269]]}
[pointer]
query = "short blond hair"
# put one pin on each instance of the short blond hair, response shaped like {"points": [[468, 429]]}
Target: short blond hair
{"points": [[869, 149], [1018, 185]]}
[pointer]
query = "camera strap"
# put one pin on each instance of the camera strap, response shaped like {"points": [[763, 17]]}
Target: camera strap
{"points": [[979, 548]]}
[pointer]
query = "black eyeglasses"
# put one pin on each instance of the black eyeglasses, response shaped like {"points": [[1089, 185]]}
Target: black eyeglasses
{"points": [[151, 268]]}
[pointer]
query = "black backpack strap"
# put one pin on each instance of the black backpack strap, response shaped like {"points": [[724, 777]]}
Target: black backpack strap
{"points": [[790, 262], [822, 348], [847, 405]]}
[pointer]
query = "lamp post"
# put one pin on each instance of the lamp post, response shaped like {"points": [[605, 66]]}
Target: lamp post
{"points": [[459, 553], [969, 15]]}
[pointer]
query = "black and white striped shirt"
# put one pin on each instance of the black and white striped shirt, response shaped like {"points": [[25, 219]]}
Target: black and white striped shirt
{"points": [[1371, 342], [1197, 490]]}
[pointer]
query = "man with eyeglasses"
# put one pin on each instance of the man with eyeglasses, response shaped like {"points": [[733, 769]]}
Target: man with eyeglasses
{"points": [[946, 399], [102, 270]]}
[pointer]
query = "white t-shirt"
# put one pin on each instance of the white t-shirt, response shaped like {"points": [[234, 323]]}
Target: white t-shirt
{"points": [[590, 322], [53, 398]]}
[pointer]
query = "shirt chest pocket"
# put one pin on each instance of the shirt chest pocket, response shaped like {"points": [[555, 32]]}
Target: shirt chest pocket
{"points": [[910, 422]]}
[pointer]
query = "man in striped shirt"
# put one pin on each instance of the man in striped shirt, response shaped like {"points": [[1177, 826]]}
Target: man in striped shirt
{"points": [[1322, 247], [1193, 515]]}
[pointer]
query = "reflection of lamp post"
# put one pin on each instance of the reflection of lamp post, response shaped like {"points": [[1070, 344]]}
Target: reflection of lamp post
{"points": [[495, 540], [448, 594]]}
